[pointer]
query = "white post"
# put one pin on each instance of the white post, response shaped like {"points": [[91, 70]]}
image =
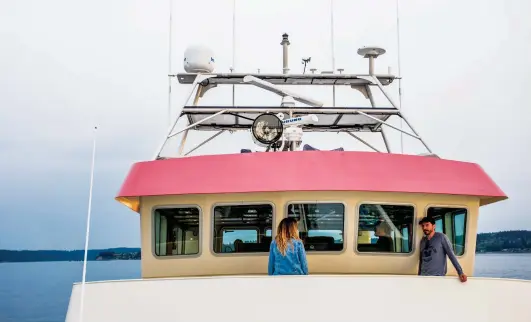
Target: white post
{"points": [[169, 62], [87, 233], [332, 51]]}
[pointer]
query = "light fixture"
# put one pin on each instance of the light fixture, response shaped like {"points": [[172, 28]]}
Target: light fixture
{"points": [[267, 129]]}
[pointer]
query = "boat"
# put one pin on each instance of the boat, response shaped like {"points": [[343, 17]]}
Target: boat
{"points": [[207, 221]]}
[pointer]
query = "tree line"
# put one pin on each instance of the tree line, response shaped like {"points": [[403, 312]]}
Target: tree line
{"points": [[514, 241]]}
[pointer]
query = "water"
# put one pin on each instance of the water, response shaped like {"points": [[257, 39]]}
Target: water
{"points": [[39, 292]]}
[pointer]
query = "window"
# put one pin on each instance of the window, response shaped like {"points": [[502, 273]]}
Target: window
{"points": [[177, 231], [385, 228], [405, 240], [439, 227], [320, 225], [451, 221], [242, 228]]}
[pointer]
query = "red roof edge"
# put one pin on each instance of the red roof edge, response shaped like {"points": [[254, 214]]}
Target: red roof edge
{"points": [[307, 171]]}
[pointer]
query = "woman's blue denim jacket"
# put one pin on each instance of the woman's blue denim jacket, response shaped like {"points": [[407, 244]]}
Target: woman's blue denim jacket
{"points": [[294, 263]]}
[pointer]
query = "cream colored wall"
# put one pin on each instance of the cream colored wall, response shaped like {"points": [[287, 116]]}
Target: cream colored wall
{"points": [[347, 262]]}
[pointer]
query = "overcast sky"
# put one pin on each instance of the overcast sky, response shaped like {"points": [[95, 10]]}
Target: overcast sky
{"points": [[67, 65]]}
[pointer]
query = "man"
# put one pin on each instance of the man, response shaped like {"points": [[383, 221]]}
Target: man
{"points": [[434, 247]]}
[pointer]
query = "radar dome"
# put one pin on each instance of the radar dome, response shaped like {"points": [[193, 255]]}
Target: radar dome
{"points": [[199, 59]]}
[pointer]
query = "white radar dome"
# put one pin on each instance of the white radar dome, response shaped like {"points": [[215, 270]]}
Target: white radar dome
{"points": [[199, 59]]}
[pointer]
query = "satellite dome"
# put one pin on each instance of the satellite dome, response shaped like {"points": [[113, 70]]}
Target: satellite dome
{"points": [[199, 59]]}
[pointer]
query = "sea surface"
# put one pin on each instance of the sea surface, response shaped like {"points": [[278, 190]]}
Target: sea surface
{"points": [[40, 292]]}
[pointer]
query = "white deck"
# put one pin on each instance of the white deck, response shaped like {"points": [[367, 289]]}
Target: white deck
{"points": [[304, 298]]}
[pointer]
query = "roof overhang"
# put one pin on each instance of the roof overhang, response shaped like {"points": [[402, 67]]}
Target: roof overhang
{"points": [[307, 171]]}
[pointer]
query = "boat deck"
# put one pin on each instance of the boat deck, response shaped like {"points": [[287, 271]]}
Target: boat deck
{"points": [[315, 298]]}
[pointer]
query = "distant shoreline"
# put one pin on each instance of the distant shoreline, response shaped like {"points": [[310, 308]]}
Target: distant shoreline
{"points": [[526, 251], [503, 242], [21, 256]]}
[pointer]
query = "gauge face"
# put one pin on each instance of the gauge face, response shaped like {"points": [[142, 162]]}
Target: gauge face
{"points": [[267, 128]]}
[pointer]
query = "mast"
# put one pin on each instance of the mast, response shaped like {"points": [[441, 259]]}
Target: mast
{"points": [[87, 233], [399, 74], [169, 62], [285, 43], [332, 50], [233, 67]]}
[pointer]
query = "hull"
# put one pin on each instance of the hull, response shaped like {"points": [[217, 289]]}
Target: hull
{"points": [[303, 298]]}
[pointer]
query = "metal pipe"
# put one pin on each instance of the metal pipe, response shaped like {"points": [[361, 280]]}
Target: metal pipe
{"points": [[363, 141], [204, 142], [384, 137], [185, 135], [392, 126], [369, 93], [369, 111], [285, 43], [197, 123], [387, 95], [412, 129], [384, 91], [170, 129]]}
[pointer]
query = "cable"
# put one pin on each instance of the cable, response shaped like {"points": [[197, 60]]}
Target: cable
{"points": [[169, 62], [87, 233], [400, 75], [332, 47]]}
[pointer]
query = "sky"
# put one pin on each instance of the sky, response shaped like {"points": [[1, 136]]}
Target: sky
{"points": [[67, 66]]}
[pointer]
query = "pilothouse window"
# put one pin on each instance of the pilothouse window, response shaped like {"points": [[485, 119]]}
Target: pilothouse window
{"points": [[177, 231], [242, 228], [321, 225], [451, 222], [385, 228]]}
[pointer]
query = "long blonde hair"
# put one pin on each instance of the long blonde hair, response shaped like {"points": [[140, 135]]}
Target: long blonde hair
{"points": [[287, 230]]}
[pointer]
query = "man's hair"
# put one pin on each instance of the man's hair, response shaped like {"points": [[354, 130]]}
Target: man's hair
{"points": [[427, 219]]}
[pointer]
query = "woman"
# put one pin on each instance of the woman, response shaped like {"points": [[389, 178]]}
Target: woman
{"points": [[286, 253]]}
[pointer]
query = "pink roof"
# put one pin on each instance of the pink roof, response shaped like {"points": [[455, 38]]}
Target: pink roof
{"points": [[307, 171]]}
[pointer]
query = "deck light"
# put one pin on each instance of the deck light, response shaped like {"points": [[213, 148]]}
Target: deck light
{"points": [[267, 129]]}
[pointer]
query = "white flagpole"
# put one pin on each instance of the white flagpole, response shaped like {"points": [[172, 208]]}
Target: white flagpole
{"points": [[87, 233]]}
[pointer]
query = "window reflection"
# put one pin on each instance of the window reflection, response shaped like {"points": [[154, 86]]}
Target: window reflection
{"points": [[451, 221], [320, 225], [385, 228]]}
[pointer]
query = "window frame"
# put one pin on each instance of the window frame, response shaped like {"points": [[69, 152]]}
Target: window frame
{"points": [[465, 228], [239, 203], [154, 237], [414, 228], [345, 223]]}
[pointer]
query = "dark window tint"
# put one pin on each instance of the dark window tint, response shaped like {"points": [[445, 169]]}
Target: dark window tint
{"points": [[385, 228], [242, 228], [452, 222], [177, 231], [320, 225]]}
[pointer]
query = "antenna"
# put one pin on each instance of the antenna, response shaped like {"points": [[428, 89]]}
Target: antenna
{"points": [[87, 233], [285, 43], [371, 53], [169, 62], [332, 47], [233, 47], [305, 61], [400, 78]]}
